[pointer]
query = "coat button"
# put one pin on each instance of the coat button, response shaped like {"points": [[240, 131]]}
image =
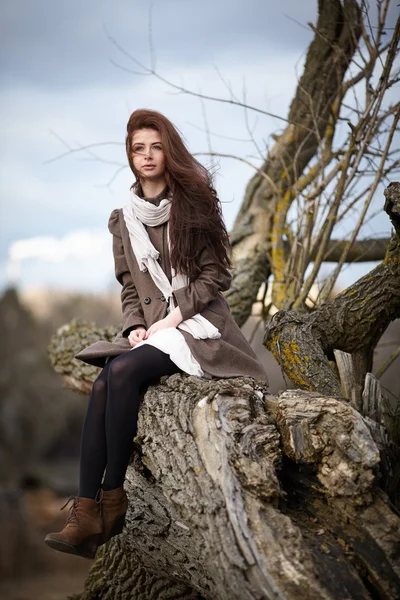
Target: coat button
{"points": [[162, 298], [147, 300]]}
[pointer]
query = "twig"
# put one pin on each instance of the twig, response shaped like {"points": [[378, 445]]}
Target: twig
{"points": [[384, 367]]}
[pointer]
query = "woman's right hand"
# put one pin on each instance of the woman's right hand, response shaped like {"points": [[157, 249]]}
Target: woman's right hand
{"points": [[136, 336]]}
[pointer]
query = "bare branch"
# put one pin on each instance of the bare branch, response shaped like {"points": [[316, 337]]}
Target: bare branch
{"points": [[388, 363], [243, 160], [183, 90], [367, 203]]}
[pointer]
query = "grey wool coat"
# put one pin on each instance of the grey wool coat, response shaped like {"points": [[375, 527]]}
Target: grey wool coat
{"points": [[143, 304]]}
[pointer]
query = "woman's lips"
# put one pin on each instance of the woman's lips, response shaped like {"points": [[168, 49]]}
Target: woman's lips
{"points": [[149, 167]]}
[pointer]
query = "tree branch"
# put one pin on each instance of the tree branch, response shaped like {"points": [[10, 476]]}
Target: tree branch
{"points": [[294, 148], [353, 322]]}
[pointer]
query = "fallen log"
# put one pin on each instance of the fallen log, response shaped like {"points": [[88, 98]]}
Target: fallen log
{"points": [[238, 494]]}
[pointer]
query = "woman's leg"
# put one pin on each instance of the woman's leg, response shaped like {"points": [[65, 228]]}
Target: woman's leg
{"points": [[93, 455], [127, 374], [84, 529]]}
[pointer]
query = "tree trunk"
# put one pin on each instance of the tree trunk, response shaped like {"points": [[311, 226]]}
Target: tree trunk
{"points": [[268, 198], [236, 494]]}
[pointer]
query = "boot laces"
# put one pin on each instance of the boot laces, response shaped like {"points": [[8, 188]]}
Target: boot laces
{"points": [[73, 515]]}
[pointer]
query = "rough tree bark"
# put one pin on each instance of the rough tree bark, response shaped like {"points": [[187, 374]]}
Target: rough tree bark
{"points": [[236, 494], [255, 248]]}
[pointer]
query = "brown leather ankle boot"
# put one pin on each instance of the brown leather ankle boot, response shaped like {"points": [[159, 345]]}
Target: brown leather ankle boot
{"points": [[83, 530], [114, 505]]}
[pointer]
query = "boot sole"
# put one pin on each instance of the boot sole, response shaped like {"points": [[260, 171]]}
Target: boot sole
{"points": [[116, 529], [86, 549]]}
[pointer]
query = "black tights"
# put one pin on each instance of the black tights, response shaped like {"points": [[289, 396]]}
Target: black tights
{"points": [[111, 418]]}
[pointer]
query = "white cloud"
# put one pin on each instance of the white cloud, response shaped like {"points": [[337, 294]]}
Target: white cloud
{"points": [[78, 254], [77, 244]]}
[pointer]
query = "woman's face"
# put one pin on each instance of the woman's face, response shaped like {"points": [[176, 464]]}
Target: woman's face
{"points": [[147, 154]]}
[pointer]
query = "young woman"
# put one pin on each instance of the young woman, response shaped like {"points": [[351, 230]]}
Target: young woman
{"points": [[171, 250]]}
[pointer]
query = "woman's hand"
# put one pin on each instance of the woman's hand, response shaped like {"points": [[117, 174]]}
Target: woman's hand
{"points": [[171, 320], [137, 335]]}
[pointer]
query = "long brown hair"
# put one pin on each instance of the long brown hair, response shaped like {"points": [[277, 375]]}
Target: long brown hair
{"points": [[196, 216]]}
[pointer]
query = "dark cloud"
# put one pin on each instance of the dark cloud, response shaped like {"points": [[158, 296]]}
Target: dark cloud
{"points": [[63, 44]]}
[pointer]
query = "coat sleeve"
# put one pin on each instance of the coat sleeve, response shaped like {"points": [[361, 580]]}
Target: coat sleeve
{"points": [[132, 312], [195, 297]]}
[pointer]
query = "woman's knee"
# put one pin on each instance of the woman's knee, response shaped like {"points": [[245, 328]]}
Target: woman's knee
{"points": [[100, 385], [138, 367], [123, 369]]}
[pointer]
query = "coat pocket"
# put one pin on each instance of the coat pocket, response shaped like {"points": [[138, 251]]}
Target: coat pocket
{"points": [[218, 320]]}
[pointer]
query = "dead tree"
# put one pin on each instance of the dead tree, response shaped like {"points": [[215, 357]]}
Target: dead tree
{"points": [[235, 493], [238, 494], [308, 181]]}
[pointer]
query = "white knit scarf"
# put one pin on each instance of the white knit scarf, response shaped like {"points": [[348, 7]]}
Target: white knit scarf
{"points": [[137, 213]]}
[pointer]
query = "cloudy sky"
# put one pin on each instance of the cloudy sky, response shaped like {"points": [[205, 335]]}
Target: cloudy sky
{"points": [[65, 84]]}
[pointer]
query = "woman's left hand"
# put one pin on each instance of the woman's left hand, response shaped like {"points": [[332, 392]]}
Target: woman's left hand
{"points": [[171, 320]]}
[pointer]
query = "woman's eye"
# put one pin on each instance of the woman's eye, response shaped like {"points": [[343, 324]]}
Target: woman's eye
{"points": [[141, 150]]}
